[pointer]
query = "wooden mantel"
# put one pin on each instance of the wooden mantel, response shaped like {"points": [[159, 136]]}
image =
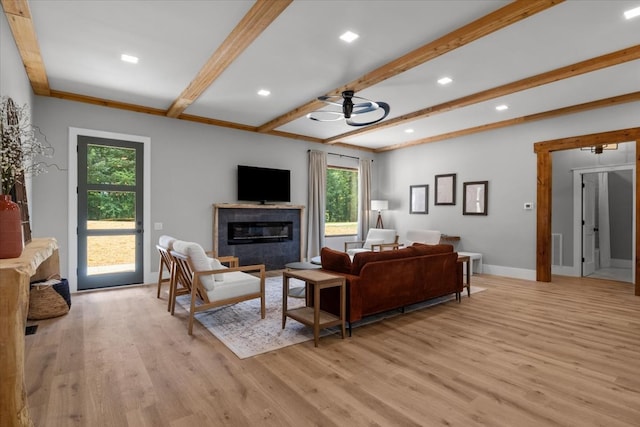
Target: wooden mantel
{"points": [[543, 222]]}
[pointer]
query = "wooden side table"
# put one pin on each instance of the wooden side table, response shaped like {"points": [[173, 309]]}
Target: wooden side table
{"points": [[466, 259], [313, 316]]}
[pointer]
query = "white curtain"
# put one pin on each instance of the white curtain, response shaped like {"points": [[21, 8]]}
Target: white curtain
{"points": [[364, 197], [316, 205], [604, 229]]}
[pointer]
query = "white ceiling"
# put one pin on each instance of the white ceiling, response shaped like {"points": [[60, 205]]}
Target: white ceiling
{"points": [[299, 57]]}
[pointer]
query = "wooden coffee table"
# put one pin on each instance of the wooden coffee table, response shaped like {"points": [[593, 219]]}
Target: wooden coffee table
{"points": [[312, 316]]}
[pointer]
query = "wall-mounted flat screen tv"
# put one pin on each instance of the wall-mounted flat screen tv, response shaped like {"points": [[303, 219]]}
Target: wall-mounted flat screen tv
{"points": [[263, 185]]}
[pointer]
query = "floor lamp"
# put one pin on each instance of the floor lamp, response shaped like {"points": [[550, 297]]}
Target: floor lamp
{"points": [[379, 205]]}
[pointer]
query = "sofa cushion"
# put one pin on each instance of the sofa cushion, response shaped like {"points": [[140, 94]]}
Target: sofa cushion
{"points": [[335, 260], [362, 258]]}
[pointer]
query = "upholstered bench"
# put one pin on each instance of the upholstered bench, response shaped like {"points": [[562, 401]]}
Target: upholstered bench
{"points": [[476, 258]]}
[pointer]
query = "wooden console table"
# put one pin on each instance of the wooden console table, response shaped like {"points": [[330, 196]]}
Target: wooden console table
{"points": [[38, 261]]}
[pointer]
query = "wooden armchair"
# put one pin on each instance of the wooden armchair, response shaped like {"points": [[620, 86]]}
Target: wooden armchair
{"points": [[214, 284], [378, 239], [164, 246]]}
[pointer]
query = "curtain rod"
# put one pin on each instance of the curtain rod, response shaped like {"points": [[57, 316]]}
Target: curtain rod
{"points": [[341, 155]]}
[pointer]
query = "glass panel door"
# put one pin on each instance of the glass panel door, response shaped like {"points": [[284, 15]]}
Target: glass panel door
{"points": [[109, 212]]}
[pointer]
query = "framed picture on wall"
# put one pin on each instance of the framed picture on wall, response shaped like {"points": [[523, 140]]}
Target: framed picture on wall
{"points": [[475, 198], [419, 199], [445, 193]]}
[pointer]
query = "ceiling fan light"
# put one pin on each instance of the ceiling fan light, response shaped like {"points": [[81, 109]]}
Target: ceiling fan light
{"points": [[129, 58], [349, 36], [632, 13]]}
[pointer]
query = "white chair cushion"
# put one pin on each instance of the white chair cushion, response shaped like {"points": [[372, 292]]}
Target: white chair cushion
{"points": [[166, 242], [369, 242], [236, 283], [386, 234], [351, 252], [428, 237], [199, 259], [217, 265]]}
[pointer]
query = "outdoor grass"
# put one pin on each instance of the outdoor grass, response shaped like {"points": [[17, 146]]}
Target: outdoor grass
{"points": [[116, 250]]}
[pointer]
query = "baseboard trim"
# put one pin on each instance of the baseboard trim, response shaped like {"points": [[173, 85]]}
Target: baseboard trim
{"points": [[516, 273]]}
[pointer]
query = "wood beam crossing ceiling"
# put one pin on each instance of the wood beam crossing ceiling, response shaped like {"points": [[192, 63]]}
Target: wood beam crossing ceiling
{"points": [[264, 12], [494, 21], [259, 17], [21, 24], [615, 58]]}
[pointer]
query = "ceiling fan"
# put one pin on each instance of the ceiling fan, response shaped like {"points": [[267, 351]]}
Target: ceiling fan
{"points": [[348, 110]]}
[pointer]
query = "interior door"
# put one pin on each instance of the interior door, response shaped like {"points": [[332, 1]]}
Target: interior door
{"points": [[589, 186], [110, 212]]}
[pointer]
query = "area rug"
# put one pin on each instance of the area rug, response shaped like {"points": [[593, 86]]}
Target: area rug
{"points": [[241, 329]]}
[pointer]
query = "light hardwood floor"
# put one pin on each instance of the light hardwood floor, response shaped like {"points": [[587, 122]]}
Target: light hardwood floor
{"points": [[520, 353]]}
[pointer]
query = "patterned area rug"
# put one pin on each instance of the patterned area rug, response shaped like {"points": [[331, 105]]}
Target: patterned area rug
{"points": [[241, 329]]}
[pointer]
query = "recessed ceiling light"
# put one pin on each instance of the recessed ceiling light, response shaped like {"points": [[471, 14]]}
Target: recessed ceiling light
{"points": [[408, 130], [264, 92], [445, 80], [349, 36], [129, 58], [502, 107], [632, 13]]}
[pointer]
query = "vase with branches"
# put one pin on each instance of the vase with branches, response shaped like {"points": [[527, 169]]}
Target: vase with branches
{"points": [[19, 152], [19, 146]]}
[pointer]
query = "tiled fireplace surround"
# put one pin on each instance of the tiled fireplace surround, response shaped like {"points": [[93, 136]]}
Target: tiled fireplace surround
{"points": [[273, 253]]}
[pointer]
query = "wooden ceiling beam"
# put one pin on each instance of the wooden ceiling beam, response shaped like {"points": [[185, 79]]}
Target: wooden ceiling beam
{"points": [[601, 103], [615, 58], [501, 18], [614, 137], [259, 17], [24, 33]]}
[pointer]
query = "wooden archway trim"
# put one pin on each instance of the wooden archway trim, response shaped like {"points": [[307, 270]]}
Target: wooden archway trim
{"points": [[543, 220]]}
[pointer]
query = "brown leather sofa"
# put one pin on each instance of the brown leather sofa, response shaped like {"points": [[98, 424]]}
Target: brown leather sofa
{"points": [[387, 280]]}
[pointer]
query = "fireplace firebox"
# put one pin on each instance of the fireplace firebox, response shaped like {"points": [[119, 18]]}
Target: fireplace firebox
{"points": [[241, 233]]}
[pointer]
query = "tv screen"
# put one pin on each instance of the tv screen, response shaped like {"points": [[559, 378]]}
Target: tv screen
{"points": [[257, 184]]}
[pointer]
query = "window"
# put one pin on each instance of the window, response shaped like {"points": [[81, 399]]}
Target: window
{"points": [[341, 216]]}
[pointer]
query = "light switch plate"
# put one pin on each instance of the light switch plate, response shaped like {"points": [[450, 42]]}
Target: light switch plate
{"points": [[528, 206]]}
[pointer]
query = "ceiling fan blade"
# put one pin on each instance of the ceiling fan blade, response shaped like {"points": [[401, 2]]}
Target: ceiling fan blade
{"points": [[385, 108], [325, 116], [365, 107]]}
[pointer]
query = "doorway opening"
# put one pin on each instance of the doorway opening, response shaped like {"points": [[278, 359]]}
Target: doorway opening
{"points": [[603, 222]]}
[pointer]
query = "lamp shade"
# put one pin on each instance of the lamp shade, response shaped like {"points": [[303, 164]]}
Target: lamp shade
{"points": [[379, 205]]}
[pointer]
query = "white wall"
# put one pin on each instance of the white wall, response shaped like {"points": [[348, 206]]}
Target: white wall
{"points": [[13, 79], [192, 166], [507, 235]]}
